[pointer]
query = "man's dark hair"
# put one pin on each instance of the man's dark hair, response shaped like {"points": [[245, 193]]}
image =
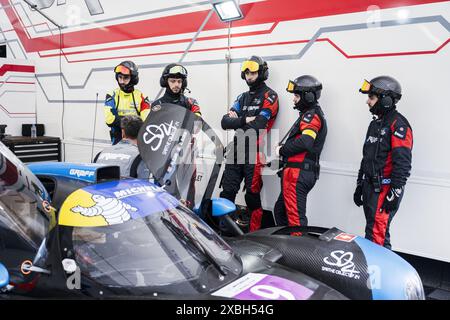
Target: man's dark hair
{"points": [[131, 126]]}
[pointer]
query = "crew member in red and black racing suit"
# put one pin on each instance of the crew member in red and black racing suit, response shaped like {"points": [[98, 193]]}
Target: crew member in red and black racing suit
{"points": [[301, 152], [174, 79], [386, 162], [254, 112]]}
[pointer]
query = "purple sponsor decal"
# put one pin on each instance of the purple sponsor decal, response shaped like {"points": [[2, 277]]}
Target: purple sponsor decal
{"points": [[275, 288]]}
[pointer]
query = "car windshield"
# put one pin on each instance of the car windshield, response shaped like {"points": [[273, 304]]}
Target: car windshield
{"points": [[170, 251]]}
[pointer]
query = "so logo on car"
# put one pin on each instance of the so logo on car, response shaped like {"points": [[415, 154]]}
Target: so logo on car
{"points": [[341, 263]]}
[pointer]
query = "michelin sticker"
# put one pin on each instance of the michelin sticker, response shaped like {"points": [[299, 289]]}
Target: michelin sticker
{"points": [[257, 286], [114, 202], [113, 210], [136, 190]]}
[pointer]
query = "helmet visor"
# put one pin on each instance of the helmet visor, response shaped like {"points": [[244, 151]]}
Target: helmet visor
{"points": [[366, 87], [122, 69], [291, 86], [178, 70], [253, 66]]}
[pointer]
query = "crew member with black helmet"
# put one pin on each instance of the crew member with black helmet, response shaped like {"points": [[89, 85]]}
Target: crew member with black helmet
{"points": [[301, 152], [253, 112], [174, 79], [386, 162], [125, 100]]}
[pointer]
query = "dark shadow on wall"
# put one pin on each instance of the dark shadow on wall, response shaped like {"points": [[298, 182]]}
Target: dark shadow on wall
{"points": [[2, 50]]}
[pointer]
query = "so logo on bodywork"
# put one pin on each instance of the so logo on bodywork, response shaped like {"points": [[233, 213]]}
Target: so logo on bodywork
{"points": [[341, 263]]}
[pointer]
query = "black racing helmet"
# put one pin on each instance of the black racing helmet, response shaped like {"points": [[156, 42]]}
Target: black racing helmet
{"points": [[386, 88], [128, 68], [255, 63], [308, 87], [174, 70]]}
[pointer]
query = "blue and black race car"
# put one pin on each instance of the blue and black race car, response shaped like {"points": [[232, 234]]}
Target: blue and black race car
{"points": [[73, 230]]}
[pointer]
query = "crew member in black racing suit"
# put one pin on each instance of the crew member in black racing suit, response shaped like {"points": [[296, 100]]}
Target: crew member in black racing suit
{"points": [[301, 153], [174, 79], [254, 112], [386, 162]]}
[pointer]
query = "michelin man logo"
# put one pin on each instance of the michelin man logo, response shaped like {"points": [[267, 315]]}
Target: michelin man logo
{"points": [[113, 210]]}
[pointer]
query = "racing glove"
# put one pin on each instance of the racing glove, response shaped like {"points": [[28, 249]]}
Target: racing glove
{"points": [[357, 196], [392, 200]]}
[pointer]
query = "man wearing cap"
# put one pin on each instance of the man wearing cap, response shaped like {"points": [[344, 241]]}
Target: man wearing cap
{"points": [[252, 116], [174, 79], [386, 162], [125, 100]]}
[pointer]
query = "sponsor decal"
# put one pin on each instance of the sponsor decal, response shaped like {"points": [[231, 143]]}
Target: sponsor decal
{"points": [[346, 237], [136, 190], [271, 98], [251, 108], [25, 267], [113, 203], [114, 156], [155, 134], [400, 132], [256, 286], [308, 118], [156, 108], [113, 210], [397, 134], [372, 139], [81, 173], [341, 263]]}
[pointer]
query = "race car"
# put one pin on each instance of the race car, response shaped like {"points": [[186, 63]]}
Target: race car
{"points": [[71, 233]]}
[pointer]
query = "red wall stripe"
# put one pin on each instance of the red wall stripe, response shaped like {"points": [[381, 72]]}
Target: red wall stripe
{"points": [[15, 68], [255, 13]]}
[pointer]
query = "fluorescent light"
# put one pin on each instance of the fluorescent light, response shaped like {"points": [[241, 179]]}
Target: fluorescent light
{"points": [[403, 15], [227, 10]]}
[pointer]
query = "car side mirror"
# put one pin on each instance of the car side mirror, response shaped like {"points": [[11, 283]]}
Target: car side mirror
{"points": [[222, 207], [4, 276]]}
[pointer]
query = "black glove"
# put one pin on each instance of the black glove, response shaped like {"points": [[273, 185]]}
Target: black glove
{"points": [[392, 200], [357, 196]]}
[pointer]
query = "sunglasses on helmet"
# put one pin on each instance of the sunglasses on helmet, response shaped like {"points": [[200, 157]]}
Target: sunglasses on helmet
{"points": [[178, 70], [291, 87], [253, 66], [122, 69], [366, 87]]}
